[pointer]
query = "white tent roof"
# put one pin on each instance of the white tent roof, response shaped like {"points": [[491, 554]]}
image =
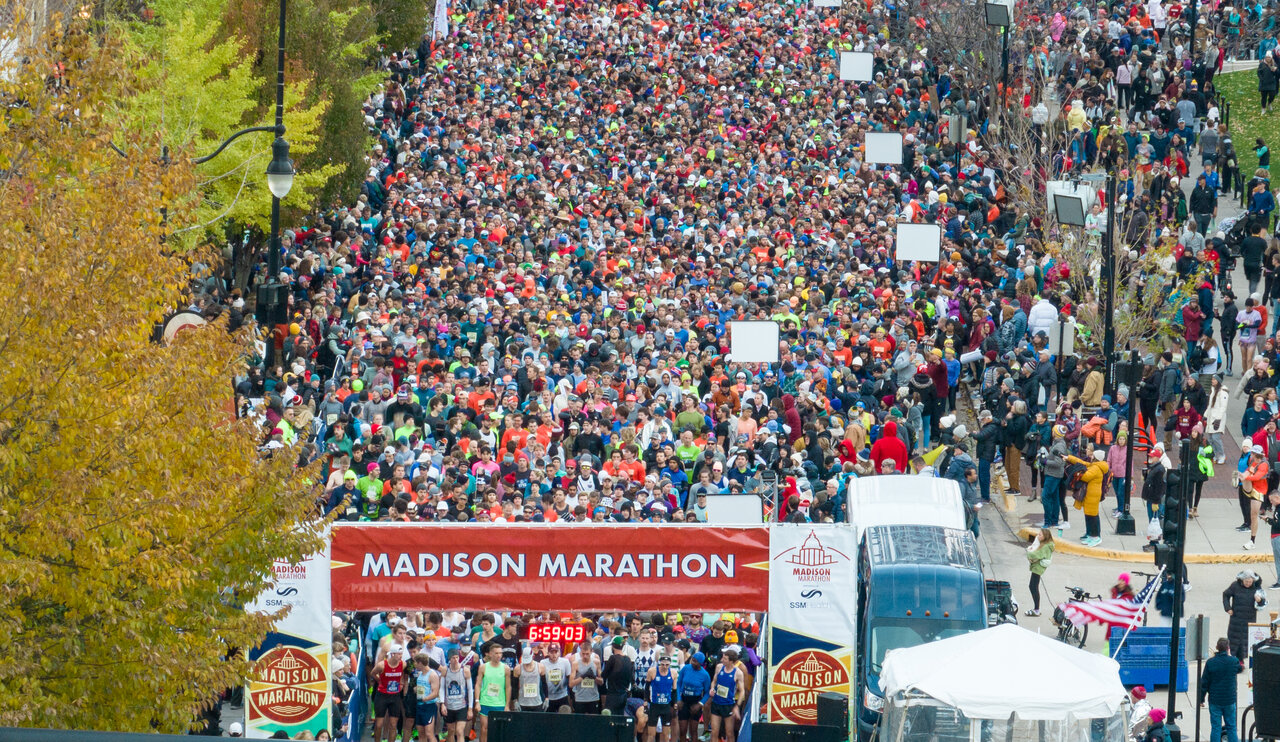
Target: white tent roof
{"points": [[1005, 671]]}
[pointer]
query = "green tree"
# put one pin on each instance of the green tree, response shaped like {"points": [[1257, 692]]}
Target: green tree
{"points": [[132, 501], [197, 84], [332, 44]]}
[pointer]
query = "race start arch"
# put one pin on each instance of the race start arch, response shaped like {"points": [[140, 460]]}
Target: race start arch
{"points": [[802, 575]]}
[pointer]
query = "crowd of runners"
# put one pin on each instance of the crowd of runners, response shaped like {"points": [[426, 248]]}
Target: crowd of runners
{"points": [[524, 316], [675, 676]]}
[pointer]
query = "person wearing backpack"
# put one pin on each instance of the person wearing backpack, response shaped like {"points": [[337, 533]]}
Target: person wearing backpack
{"points": [[1037, 439], [1095, 477], [1156, 731]]}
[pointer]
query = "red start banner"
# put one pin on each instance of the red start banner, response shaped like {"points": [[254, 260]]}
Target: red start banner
{"points": [[542, 567]]}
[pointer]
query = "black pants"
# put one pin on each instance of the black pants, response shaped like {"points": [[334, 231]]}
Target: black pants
{"points": [[616, 703], [1267, 96], [1245, 508], [1092, 526], [1035, 590], [1065, 501], [1195, 496]]}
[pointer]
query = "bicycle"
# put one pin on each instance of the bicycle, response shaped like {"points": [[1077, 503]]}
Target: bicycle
{"points": [[1068, 632]]}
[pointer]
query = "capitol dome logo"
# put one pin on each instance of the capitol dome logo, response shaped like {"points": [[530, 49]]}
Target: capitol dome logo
{"points": [[800, 678], [811, 561], [289, 686]]}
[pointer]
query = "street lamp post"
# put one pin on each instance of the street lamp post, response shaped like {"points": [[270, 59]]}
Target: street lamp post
{"points": [[999, 14], [1039, 117], [279, 181], [1109, 290]]}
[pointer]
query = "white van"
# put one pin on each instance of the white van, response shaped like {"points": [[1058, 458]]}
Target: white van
{"points": [[904, 499]]}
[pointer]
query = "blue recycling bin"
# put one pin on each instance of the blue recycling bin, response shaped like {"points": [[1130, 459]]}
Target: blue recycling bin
{"points": [[1144, 658]]}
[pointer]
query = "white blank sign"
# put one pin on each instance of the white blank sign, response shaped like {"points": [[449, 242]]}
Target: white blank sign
{"points": [[826, 3], [754, 341], [735, 510], [856, 66], [919, 242], [884, 149]]}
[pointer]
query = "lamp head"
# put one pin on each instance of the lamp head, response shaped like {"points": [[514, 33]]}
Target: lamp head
{"points": [[280, 169]]}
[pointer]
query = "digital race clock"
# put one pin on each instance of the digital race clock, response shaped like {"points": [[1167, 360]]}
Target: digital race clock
{"points": [[555, 633]]}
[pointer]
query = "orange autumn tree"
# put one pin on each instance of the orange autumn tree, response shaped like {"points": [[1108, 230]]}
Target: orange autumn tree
{"points": [[135, 513]]}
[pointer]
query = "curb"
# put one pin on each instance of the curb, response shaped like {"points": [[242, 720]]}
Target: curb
{"points": [[1142, 557]]}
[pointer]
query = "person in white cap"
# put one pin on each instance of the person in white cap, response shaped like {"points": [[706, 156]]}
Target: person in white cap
{"points": [[389, 676], [1253, 483]]}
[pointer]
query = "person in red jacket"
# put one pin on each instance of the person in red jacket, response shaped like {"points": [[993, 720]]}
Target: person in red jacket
{"points": [[890, 446]]}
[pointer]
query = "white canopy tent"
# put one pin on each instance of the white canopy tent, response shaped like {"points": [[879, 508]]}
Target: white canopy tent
{"points": [[1020, 685]]}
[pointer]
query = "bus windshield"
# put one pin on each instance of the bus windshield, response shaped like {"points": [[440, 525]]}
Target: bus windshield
{"points": [[899, 633]]}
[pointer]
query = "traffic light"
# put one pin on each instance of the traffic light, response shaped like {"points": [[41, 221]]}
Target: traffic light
{"points": [[1174, 495]]}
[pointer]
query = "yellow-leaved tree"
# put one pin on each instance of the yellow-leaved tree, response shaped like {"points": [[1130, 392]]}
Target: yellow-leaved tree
{"points": [[135, 511]]}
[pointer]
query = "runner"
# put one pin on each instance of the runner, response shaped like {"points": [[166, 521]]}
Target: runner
{"points": [[727, 698], [388, 708], [646, 659], [660, 682], [585, 681], [425, 691], [618, 674], [530, 680], [693, 688], [557, 670], [493, 688], [458, 698]]}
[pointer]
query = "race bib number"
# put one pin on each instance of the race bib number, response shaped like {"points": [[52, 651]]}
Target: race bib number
{"points": [[454, 690], [393, 686], [588, 682], [530, 688], [554, 676], [722, 691], [661, 698], [493, 690], [421, 692]]}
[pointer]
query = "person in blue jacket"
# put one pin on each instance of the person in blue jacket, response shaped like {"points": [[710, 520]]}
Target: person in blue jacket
{"points": [[693, 688], [1218, 686]]}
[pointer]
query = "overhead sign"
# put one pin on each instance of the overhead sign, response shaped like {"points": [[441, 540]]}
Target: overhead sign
{"points": [[753, 341], [545, 567], [883, 148], [857, 66], [812, 615], [918, 242], [290, 684]]}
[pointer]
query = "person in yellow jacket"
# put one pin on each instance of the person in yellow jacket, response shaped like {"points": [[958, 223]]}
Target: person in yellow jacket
{"points": [[1095, 479]]}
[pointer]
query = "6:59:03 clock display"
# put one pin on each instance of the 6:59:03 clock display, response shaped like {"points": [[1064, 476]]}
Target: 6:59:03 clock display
{"points": [[555, 633]]}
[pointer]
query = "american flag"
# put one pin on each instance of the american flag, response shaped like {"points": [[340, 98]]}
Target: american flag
{"points": [[1110, 612]]}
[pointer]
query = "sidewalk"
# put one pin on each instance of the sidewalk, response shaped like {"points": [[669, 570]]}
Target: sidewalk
{"points": [[1211, 537]]}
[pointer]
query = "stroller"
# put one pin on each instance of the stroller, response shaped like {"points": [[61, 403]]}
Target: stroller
{"points": [[1236, 229]]}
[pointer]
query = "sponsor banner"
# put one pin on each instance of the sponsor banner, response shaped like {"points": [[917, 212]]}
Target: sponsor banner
{"points": [[542, 567], [290, 683], [812, 617]]}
